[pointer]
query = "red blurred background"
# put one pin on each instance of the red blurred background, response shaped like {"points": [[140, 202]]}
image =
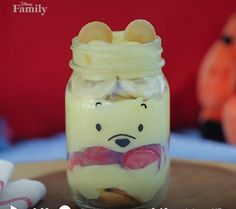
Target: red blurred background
{"points": [[35, 51]]}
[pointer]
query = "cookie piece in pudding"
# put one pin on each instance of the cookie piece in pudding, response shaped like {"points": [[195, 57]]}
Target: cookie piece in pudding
{"points": [[116, 197]]}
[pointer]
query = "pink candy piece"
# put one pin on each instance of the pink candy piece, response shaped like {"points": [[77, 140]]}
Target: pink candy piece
{"points": [[141, 157], [94, 156]]}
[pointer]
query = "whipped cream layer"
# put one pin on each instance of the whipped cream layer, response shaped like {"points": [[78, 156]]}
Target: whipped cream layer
{"points": [[145, 87], [99, 60]]}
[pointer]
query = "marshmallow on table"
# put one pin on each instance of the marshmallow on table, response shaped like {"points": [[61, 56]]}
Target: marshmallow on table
{"points": [[6, 169], [22, 194]]}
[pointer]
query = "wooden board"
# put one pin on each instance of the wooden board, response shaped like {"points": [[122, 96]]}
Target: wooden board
{"points": [[191, 186]]}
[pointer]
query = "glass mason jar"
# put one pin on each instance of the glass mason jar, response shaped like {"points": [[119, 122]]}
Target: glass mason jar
{"points": [[117, 124]]}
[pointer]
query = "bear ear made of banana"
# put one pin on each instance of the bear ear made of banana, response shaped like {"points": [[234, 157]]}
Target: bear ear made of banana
{"points": [[139, 30]]}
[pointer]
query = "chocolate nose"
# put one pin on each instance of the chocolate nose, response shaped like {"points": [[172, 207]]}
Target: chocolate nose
{"points": [[122, 142]]}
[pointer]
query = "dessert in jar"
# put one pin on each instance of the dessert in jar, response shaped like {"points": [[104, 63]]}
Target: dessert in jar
{"points": [[117, 118]]}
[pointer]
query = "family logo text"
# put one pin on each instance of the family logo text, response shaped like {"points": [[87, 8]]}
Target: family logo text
{"points": [[25, 7]]}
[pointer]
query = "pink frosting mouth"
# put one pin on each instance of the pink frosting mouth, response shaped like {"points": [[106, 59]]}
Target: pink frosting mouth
{"points": [[136, 158]]}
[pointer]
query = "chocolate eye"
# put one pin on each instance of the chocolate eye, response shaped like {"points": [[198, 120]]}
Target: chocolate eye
{"points": [[140, 127], [144, 105], [98, 103], [98, 127], [227, 39]]}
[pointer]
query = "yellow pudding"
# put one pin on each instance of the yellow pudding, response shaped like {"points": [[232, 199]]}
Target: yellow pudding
{"points": [[116, 117], [142, 184], [122, 116]]}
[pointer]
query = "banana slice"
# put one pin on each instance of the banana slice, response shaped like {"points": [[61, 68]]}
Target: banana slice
{"points": [[146, 87], [96, 89]]}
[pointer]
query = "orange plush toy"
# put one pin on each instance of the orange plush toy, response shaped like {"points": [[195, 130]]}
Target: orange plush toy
{"points": [[217, 87]]}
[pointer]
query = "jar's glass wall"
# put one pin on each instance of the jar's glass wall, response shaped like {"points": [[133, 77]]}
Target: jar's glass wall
{"points": [[118, 140]]}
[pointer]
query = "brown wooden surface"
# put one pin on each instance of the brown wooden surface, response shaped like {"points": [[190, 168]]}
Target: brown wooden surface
{"points": [[192, 185]]}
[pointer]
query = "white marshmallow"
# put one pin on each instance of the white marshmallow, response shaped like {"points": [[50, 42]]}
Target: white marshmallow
{"points": [[6, 169], [22, 194]]}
